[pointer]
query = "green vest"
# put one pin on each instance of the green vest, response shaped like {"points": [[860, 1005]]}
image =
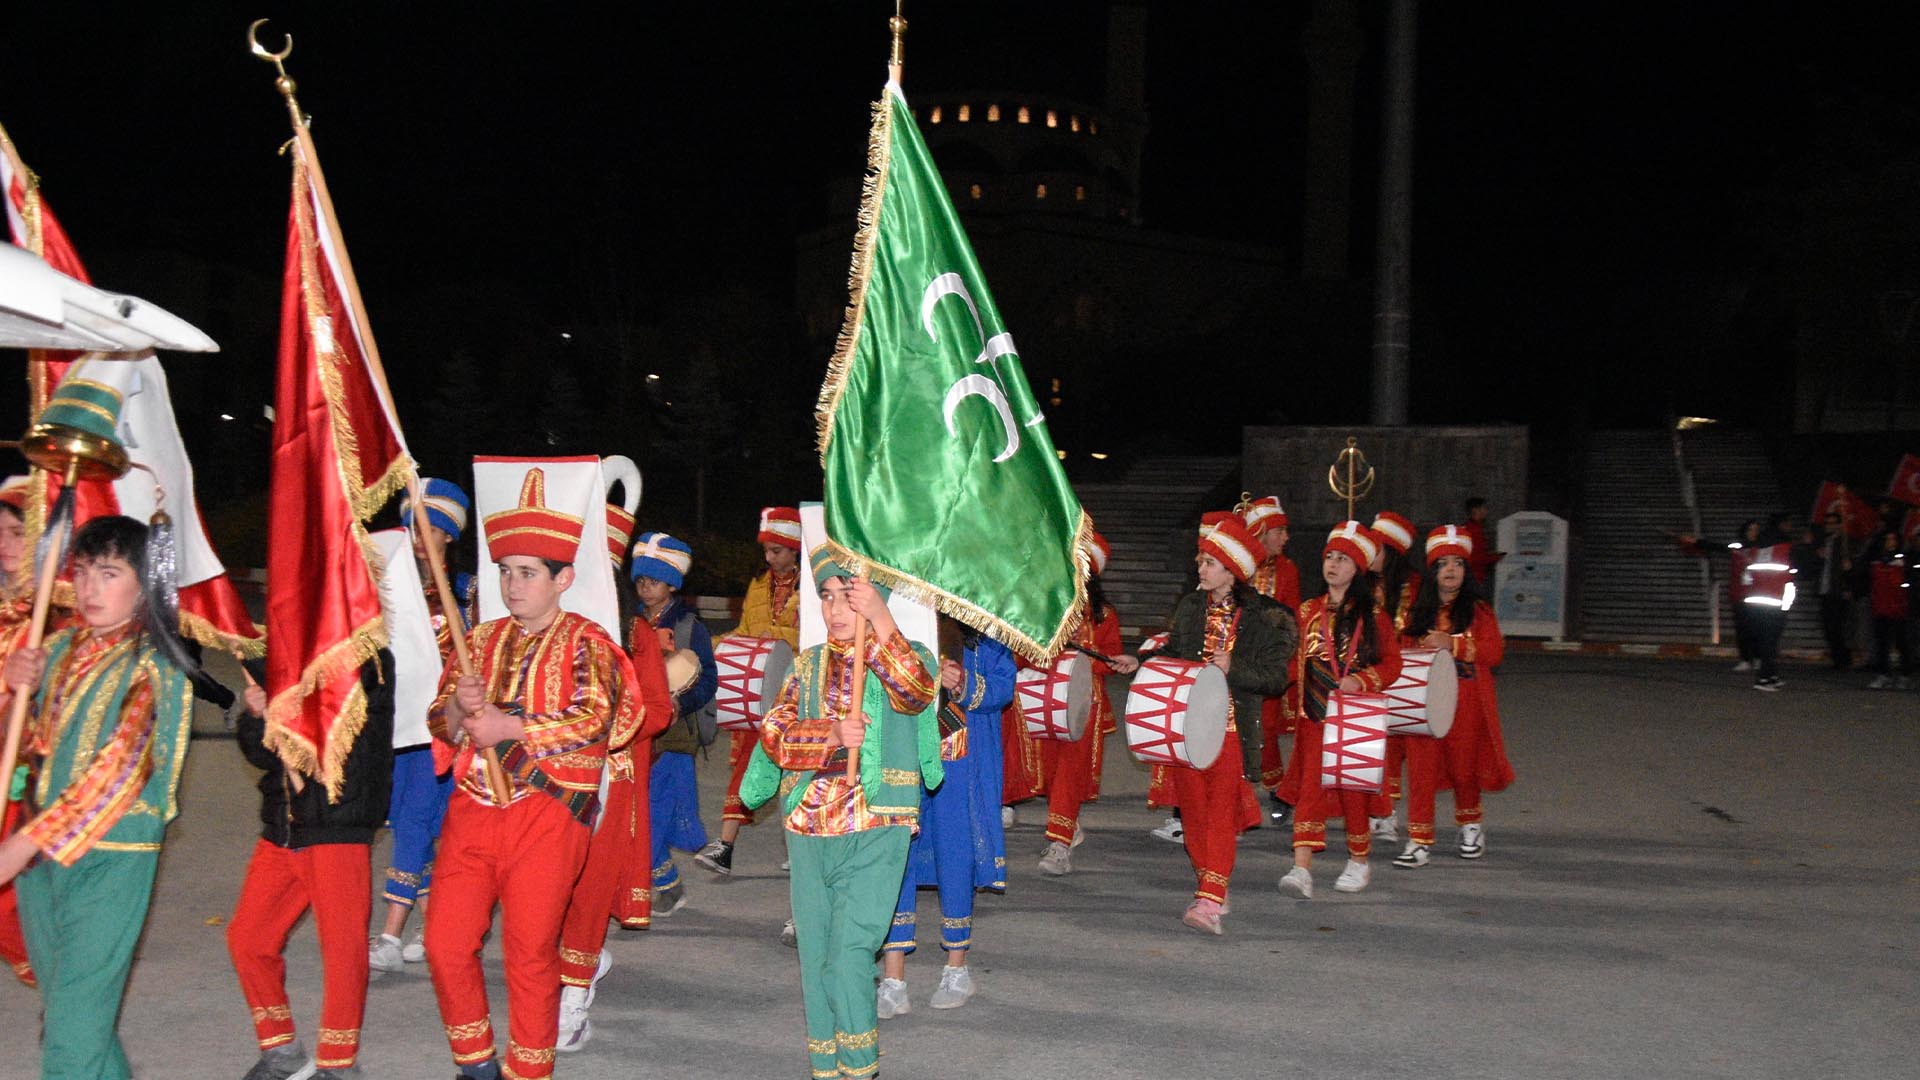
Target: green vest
{"points": [[909, 745], [89, 716]]}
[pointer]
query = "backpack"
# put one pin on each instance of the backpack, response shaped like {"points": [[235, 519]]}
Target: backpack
{"points": [[702, 723]]}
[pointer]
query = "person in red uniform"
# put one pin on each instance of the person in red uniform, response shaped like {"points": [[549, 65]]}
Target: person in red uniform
{"points": [[552, 694], [1250, 638], [1471, 757], [1890, 579], [1399, 583], [16, 610], [1347, 645], [1073, 768], [770, 610], [1484, 555], [616, 882], [1278, 579]]}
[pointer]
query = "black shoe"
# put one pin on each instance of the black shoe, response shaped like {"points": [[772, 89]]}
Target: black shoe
{"points": [[1282, 813], [717, 857]]}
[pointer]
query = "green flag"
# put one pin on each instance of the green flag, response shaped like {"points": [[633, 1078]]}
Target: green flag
{"points": [[940, 475]]}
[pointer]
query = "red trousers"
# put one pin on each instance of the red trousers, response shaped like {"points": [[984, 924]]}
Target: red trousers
{"points": [[13, 945], [1456, 756], [1316, 804], [1381, 805], [1069, 768], [614, 884], [524, 858], [739, 752], [1213, 812], [1272, 725], [281, 884]]}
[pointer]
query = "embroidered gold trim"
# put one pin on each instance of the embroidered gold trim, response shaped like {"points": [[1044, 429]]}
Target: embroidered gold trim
{"points": [[575, 956], [823, 1046], [264, 1013], [530, 1057], [866, 1040], [900, 777], [956, 924], [474, 1030], [336, 1036], [904, 918]]}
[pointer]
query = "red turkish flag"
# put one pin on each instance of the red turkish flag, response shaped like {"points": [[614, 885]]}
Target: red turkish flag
{"points": [[211, 611], [338, 456], [1857, 516], [1906, 480]]}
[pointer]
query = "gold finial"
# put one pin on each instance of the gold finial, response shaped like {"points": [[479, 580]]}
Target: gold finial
{"points": [[283, 82], [1356, 486], [898, 58]]}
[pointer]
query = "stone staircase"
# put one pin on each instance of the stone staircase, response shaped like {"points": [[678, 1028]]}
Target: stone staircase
{"points": [[1148, 517], [1733, 479], [1635, 585]]}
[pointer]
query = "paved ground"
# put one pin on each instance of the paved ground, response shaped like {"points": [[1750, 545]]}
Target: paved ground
{"points": [[1690, 879]]}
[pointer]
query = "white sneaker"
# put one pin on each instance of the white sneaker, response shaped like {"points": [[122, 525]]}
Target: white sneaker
{"points": [[1297, 883], [892, 999], [956, 986], [1416, 855], [1172, 830], [1008, 817], [1385, 828], [1744, 665], [785, 864], [599, 972], [789, 936], [575, 1029], [669, 900], [1354, 878], [1058, 861], [1881, 682], [415, 951], [1080, 834], [1473, 841], [384, 953]]}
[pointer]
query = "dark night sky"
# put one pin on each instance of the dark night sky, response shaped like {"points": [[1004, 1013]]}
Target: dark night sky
{"points": [[1594, 185]]}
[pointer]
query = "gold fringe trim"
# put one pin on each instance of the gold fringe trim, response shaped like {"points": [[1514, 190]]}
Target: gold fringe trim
{"points": [[243, 648], [299, 752], [873, 191], [912, 588]]}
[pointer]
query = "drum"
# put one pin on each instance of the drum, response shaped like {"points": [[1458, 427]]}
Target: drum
{"points": [[1056, 700], [1422, 700], [1177, 712], [1154, 644], [1353, 743], [752, 670], [683, 670]]}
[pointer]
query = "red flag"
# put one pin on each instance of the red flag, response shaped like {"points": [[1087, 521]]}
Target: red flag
{"points": [[337, 457], [211, 611], [1857, 516], [1910, 535], [1906, 480]]}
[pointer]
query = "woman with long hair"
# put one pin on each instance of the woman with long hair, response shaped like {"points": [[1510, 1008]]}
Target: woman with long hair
{"points": [[1073, 768], [1471, 757]]}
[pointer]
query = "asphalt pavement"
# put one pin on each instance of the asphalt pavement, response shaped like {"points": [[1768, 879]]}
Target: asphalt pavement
{"points": [[1688, 879]]}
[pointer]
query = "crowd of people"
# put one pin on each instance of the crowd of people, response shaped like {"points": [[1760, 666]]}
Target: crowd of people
{"points": [[565, 756]]}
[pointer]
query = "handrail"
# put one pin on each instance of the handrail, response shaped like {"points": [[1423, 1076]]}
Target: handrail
{"points": [[1690, 498]]}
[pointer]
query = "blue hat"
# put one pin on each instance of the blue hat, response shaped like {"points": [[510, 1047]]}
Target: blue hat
{"points": [[662, 558], [446, 504]]}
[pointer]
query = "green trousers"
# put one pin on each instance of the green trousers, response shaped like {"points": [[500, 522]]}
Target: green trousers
{"points": [[82, 923], [844, 891]]}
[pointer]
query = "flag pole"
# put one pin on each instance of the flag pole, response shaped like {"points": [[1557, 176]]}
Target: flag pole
{"points": [[896, 60], [310, 159], [36, 631]]}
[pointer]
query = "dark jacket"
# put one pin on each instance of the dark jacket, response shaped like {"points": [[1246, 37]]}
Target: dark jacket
{"points": [[299, 819], [1258, 664]]}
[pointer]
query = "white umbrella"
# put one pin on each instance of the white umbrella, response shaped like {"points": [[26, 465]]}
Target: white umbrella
{"points": [[42, 308]]}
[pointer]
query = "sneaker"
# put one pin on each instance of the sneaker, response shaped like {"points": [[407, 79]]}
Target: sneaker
{"points": [[599, 972], [891, 1000], [956, 986], [575, 1028], [415, 951], [1298, 883], [1416, 855], [1080, 834], [1385, 828], [1204, 915], [1008, 817], [1769, 685], [384, 953], [1473, 841], [1357, 876], [1058, 861], [669, 900], [1281, 815], [717, 857], [289, 1062], [1881, 682], [351, 1072], [480, 1070], [1744, 665], [1171, 831], [786, 865], [789, 936]]}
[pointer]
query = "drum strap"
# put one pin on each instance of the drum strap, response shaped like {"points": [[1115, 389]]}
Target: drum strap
{"points": [[1341, 668]]}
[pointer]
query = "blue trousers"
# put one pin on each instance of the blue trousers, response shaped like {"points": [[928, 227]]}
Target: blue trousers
{"points": [[414, 811], [673, 806]]}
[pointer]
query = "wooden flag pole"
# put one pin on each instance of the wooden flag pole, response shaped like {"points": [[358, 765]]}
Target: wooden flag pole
{"points": [[436, 561], [857, 694], [23, 696]]}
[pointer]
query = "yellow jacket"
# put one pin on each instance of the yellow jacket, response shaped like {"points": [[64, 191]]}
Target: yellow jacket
{"points": [[758, 619]]}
